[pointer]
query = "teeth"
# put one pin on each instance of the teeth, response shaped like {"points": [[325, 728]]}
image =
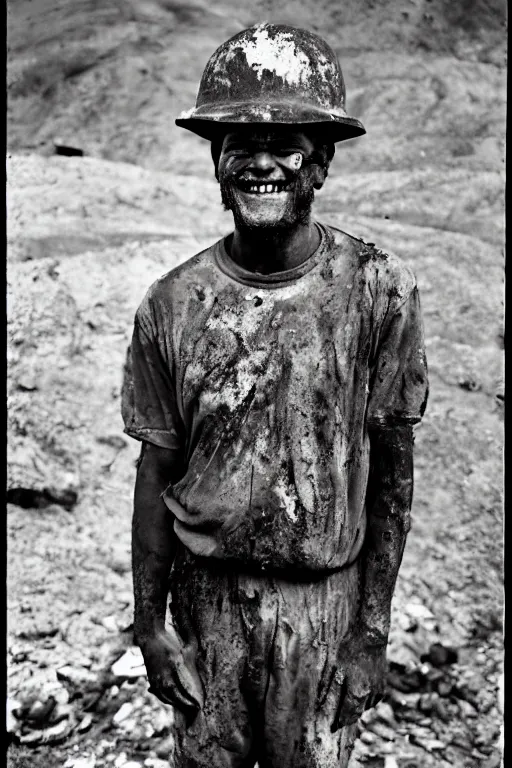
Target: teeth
{"points": [[262, 189]]}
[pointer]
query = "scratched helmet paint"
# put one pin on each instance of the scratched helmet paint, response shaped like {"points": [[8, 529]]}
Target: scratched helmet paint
{"points": [[272, 73]]}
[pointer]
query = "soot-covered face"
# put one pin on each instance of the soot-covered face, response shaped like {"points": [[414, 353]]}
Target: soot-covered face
{"points": [[268, 177]]}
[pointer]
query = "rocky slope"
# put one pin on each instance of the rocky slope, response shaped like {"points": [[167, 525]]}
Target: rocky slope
{"points": [[88, 234]]}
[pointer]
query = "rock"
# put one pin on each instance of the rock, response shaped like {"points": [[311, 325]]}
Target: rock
{"points": [[390, 762], [467, 709], [368, 716], [462, 741], [130, 664], [384, 712], [85, 723], [114, 441], [39, 712], [444, 687], [124, 712], [400, 700], [80, 762], [12, 724], [382, 730], [66, 149], [430, 745], [37, 700], [56, 734], [501, 694], [78, 676], [27, 383], [110, 623], [165, 747], [470, 384], [61, 712], [440, 655], [367, 737], [422, 615], [463, 693], [404, 680], [495, 761]]}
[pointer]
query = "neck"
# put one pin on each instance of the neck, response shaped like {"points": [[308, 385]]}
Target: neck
{"points": [[271, 251]]}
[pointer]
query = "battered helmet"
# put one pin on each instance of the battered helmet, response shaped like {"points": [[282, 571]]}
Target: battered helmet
{"points": [[272, 73]]}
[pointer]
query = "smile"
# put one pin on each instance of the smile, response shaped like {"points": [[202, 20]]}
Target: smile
{"points": [[260, 188]]}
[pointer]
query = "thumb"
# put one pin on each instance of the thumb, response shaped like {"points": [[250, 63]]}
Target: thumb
{"points": [[351, 704]]}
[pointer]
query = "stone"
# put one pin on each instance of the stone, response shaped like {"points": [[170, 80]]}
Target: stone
{"points": [[444, 687], [12, 724], [439, 655], [165, 747], [53, 735], [123, 713], [80, 762], [110, 623], [382, 730], [367, 737], [78, 676], [384, 712], [130, 664], [85, 723]]}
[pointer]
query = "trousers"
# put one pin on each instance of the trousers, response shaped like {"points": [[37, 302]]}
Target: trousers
{"points": [[268, 662]]}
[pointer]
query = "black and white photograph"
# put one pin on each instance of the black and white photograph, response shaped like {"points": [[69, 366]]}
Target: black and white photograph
{"points": [[255, 383]]}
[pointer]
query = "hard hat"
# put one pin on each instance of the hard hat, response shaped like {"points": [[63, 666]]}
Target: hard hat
{"points": [[268, 74]]}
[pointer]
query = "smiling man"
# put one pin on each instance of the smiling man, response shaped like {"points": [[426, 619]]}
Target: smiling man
{"points": [[274, 380]]}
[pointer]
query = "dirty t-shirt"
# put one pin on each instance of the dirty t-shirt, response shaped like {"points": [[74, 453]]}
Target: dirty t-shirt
{"points": [[266, 386]]}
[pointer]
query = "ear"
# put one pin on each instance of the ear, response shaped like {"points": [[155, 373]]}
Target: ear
{"points": [[318, 175], [321, 160]]}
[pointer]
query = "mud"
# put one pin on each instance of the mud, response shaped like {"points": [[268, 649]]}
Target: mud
{"points": [[87, 235]]}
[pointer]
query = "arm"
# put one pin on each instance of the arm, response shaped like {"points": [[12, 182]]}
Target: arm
{"points": [[389, 499], [169, 663], [153, 541]]}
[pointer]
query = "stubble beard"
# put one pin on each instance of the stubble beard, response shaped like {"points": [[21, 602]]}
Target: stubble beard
{"points": [[298, 209]]}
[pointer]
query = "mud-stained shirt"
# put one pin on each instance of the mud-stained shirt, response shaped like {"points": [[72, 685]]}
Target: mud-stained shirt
{"points": [[266, 387]]}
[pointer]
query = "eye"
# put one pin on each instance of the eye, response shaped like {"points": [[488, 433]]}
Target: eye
{"points": [[287, 151], [236, 149]]}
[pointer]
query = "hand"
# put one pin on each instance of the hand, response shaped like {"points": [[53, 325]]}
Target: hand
{"points": [[172, 672], [364, 682]]}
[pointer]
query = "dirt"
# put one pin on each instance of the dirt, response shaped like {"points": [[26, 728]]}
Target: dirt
{"points": [[86, 237]]}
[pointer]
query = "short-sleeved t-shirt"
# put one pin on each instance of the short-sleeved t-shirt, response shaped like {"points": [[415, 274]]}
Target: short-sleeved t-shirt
{"points": [[266, 387]]}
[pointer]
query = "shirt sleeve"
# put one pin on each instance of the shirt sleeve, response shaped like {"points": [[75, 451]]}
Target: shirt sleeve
{"points": [[399, 382], [148, 401]]}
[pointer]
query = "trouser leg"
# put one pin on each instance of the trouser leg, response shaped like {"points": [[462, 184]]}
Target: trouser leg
{"points": [[202, 612], [305, 672], [268, 659]]}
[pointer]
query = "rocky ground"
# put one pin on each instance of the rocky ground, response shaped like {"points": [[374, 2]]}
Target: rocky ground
{"points": [[88, 234]]}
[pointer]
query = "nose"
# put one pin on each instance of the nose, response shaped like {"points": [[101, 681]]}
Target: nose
{"points": [[263, 162]]}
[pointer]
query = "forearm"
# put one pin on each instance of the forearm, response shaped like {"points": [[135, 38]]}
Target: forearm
{"points": [[389, 501], [153, 542]]}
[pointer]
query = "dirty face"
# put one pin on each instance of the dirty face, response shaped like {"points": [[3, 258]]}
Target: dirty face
{"points": [[268, 176]]}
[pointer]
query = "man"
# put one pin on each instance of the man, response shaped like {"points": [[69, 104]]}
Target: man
{"points": [[273, 380]]}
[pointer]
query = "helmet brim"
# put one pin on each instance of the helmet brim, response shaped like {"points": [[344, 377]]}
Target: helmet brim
{"points": [[210, 121]]}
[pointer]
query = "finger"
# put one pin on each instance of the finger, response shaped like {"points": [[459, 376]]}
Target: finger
{"points": [[171, 695], [377, 698], [350, 710], [372, 701], [187, 682]]}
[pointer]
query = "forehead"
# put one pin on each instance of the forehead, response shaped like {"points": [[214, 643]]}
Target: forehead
{"points": [[251, 135]]}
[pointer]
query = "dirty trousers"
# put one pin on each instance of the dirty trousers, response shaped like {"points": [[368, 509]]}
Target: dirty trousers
{"points": [[266, 655]]}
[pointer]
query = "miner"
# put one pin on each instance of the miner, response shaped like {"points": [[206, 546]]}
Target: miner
{"points": [[274, 380]]}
